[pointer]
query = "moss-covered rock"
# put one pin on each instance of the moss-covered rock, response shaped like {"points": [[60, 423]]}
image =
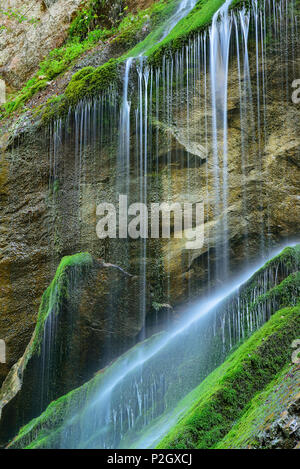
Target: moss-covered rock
{"points": [[88, 82], [182, 362], [88, 315], [272, 417]]}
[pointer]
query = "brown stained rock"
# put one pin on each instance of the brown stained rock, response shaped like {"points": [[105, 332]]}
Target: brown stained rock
{"points": [[37, 229]]}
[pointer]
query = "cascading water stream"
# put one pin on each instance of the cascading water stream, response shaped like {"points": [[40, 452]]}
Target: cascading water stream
{"points": [[220, 35], [184, 132], [184, 7], [123, 169]]}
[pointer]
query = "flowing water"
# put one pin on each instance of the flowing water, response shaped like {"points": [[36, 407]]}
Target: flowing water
{"points": [[220, 34], [133, 405], [174, 143]]}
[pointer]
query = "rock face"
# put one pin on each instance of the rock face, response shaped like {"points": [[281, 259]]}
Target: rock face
{"points": [[89, 315], [24, 44], [284, 432], [52, 180]]}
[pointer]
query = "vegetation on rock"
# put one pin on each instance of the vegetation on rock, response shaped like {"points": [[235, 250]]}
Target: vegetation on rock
{"points": [[223, 397], [270, 418], [90, 27]]}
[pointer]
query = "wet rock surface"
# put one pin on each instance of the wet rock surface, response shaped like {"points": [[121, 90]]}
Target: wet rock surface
{"points": [[24, 44], [89, 315], [45, 214]]}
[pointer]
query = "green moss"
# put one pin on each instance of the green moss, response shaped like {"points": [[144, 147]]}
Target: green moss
{"points": [[263, 409], [98, 80], [88, 82], [94, 15], [125, 35], [81, 39], [45, 430], [53, 416], [222, 398], [289, 256], [286, 293], [198, 19], [210, 410], [57, 290]]}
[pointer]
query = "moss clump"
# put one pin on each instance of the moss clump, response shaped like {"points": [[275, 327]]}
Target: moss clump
{"points": [[86, 83], [57, 290], [222, 398]]}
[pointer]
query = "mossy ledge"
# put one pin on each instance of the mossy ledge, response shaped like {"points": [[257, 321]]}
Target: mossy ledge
{"points": [[90, 81], [57, 290], [46, 430], [196, 21], [269, 421], [223, 397], [86, 83]]}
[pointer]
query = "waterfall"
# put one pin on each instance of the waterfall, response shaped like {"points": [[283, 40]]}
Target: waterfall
{"points": [[133, 404], [220, 34], [178, 128], [174, 142], [185, 6]]}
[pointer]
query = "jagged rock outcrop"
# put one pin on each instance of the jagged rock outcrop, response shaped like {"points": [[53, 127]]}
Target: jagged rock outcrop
{"points": [[89, 315]]}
